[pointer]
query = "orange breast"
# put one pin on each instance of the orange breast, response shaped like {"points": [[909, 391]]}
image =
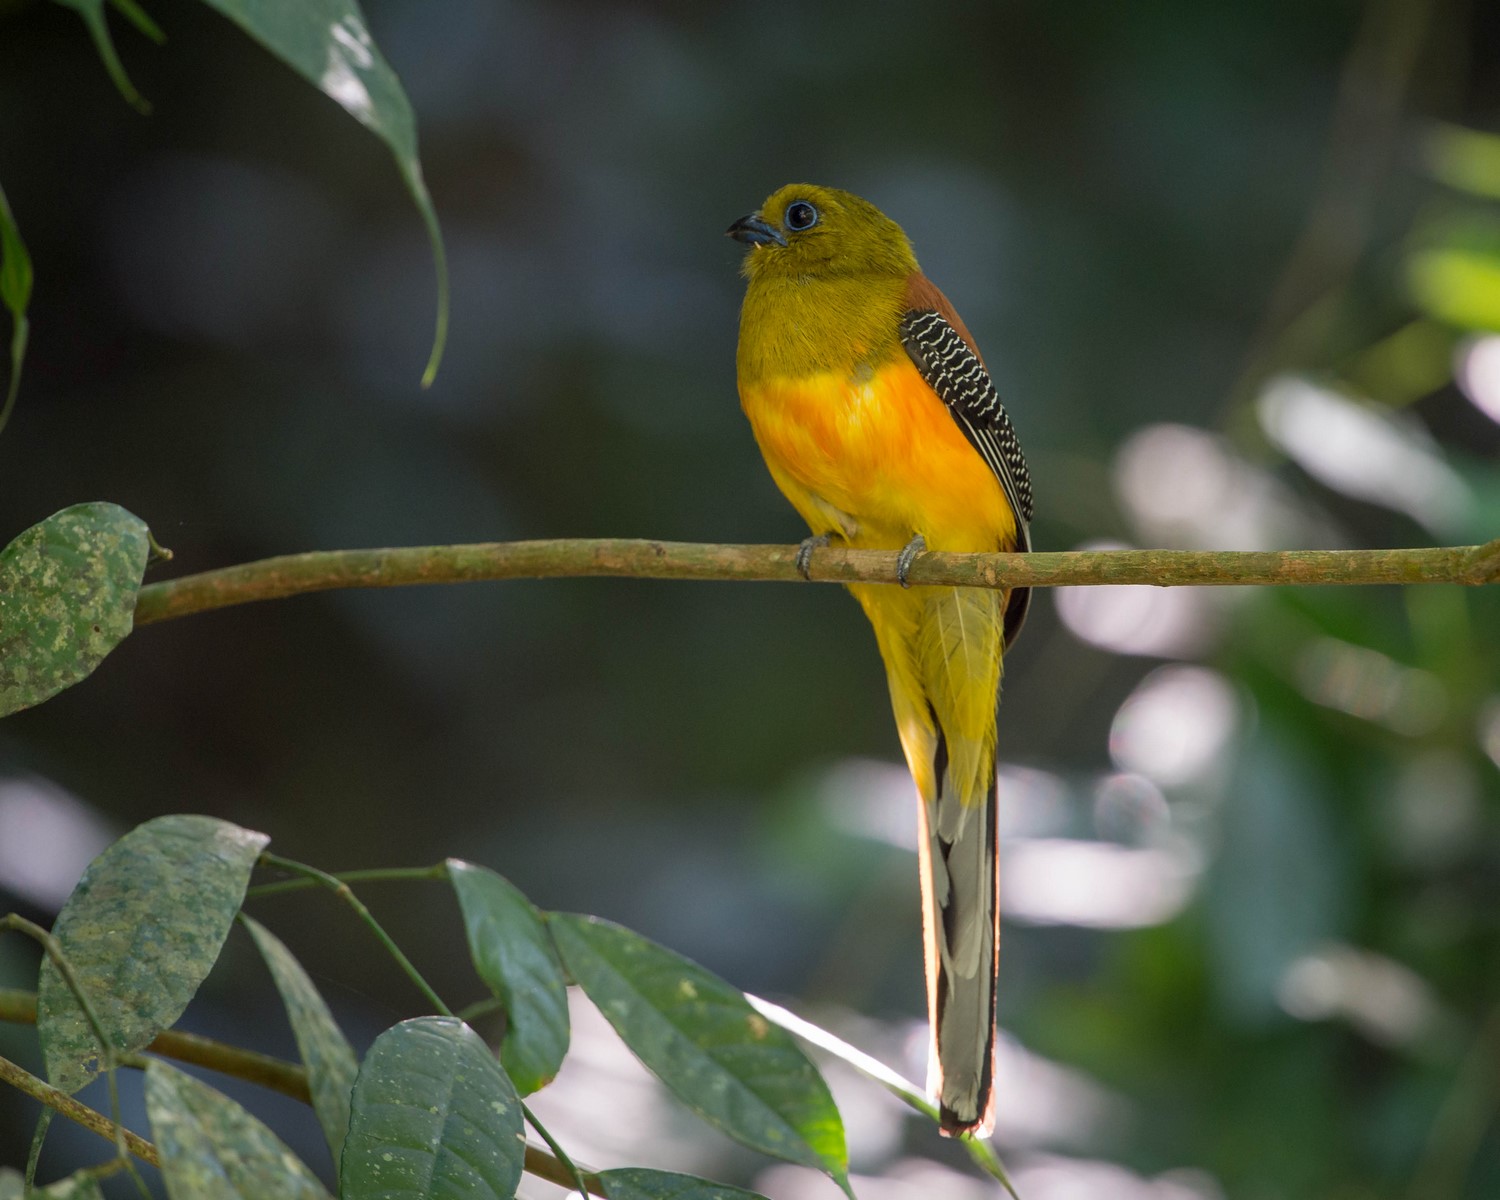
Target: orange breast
{"points": [[886, 452]]}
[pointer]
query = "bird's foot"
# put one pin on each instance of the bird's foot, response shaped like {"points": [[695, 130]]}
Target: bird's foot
{"points": [[805, 552], [908, 554]]}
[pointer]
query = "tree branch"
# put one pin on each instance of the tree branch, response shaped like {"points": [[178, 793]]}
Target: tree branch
{"points": [[63, 1103], [319, 571], [274, 1073]]}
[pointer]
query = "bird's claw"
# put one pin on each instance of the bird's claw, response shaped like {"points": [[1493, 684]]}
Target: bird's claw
{"points": [[907, 556], [805, 553]]}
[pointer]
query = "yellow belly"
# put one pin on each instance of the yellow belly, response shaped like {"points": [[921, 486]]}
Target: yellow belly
{"points": [[878, 460]]}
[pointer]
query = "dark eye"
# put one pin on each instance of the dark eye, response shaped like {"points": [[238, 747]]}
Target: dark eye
{"points": [[800, 215]]}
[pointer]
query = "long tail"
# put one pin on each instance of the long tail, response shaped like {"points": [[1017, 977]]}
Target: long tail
{"points": [[942, 650]]}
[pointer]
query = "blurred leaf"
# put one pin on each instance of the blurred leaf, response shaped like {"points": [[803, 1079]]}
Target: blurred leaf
{"points": [[1406, 365], [703, 1040], [15, 294], [1459, 287], [92, 12], [327, 43], [67, 598], [330, 1060], [434, 1117], [15, 263], [1465, 159], [516, 958], [141, 931], [76, 1187], [212, 1149], [1454, 269], [637, 1183]]}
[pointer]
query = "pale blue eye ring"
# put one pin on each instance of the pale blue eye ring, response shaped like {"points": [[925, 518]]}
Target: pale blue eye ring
{"points": [[800, 215]]}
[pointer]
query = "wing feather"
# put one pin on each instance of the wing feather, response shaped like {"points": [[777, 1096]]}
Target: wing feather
{"points": [[942, 351]]}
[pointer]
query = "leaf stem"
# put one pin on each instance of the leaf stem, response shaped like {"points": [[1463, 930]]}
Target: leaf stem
{"points": [[343, 891], [367, 875], [576, 1178], [480, 1008], [545, 1166], [34, 1156]]}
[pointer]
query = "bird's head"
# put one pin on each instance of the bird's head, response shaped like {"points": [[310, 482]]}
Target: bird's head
{"points": [[804, 232]]}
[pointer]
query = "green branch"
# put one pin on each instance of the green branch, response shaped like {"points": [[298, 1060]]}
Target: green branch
{"points": [[438, 871], [320, 571], [343, 891]]}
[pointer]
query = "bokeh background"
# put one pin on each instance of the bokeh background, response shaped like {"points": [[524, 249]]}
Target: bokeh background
{"points": [[1236, 270]]}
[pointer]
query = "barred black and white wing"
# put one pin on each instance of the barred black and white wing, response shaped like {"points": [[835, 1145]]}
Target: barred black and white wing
{"points": [[954, 372]]}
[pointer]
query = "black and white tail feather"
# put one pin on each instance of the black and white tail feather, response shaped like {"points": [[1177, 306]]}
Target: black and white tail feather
{"points": [[960, 862]]}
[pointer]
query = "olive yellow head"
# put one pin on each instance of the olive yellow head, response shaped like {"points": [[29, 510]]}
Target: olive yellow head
{"points": [[806, 231]]}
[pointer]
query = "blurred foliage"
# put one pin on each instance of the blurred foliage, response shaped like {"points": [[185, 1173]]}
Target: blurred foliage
{"points": [[15, 292], [1149, 215]]}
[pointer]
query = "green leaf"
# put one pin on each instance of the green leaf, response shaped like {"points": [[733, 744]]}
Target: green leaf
{"points": [[330, 1060], [636, 1183], [15, 294], [81, 1186], [92, 12], [1459, 286], [516, 958], [141, 931], [327, 43], [67, 598], [15, 263], [1453, 267], [434, 1118], [703, 1040], [1465, 159], [212, 1149]]}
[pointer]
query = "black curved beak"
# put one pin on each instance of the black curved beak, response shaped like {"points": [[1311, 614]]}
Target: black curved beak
{"points": [[755, 232]]}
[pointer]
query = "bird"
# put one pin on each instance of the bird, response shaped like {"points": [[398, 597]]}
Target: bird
{"points": [[879, 422]]}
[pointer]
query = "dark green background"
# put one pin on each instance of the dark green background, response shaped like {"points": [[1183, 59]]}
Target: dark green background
{"points": [[1132, 205]]}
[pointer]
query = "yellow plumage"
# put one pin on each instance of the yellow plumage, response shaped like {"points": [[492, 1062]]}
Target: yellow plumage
{"points": [[866, 450]]}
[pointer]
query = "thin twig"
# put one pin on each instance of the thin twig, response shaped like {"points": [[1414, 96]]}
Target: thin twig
{"points": [[544, 1166], [345, 893], [61, 1102], [366, 875], [326, 570], [480, 1008], [107, 1050], [576, 1179]]}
